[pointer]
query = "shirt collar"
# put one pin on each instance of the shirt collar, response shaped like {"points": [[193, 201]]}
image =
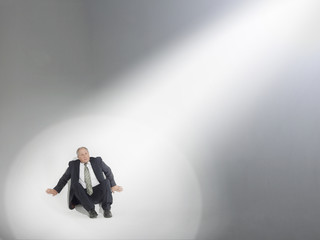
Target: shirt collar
{"points": [[88, 163]]}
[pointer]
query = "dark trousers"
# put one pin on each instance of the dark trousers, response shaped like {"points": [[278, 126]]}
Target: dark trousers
{"points": [[101, 194]]}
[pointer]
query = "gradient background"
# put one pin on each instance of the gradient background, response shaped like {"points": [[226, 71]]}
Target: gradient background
{"points": [[232, 86]]}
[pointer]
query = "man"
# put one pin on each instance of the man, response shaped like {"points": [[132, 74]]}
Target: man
{"points": [[92, 182]]}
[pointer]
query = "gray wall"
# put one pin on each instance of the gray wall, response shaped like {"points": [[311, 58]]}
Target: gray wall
{"points": [[268, 168], [52, 52]]}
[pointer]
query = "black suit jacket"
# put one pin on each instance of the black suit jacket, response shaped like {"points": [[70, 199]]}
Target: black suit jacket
{"points": [[101, 170]]}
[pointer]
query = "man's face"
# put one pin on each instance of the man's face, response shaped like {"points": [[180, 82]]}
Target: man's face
{"points": [[83, 155]]}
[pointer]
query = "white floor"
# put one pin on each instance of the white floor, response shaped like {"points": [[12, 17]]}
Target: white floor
{"points": [[161, 197]]}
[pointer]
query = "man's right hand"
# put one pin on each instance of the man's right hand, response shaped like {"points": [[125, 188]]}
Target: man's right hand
{"points": [[51, 191]]}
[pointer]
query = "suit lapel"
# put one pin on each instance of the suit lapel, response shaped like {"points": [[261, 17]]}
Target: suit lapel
{"points": [[93, 165], [77, 169], [95, 168]]}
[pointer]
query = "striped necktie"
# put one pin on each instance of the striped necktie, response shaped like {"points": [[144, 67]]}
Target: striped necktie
{"points": [[87, 179]]}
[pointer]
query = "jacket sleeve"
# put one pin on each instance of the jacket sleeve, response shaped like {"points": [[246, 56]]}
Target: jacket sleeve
{"points": [[108, 173], [63, 180]]}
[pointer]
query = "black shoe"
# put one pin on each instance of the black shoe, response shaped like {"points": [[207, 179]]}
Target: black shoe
{"points": [[93, 213], [72, 206], [107, 214]]}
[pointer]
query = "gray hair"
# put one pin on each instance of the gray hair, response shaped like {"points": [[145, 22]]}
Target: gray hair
{"points": [[80, 149]]}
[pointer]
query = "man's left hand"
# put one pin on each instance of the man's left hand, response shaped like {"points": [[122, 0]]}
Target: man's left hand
{"points": [[116, 188]]}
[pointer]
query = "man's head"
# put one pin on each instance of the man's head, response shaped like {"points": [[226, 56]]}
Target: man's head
{"points": [[83, 154]]}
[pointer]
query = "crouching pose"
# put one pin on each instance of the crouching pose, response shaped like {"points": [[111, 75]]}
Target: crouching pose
{"points": [[92, 182]]}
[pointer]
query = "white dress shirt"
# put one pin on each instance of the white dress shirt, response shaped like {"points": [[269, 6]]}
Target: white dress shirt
{"points": [[94, 180]]}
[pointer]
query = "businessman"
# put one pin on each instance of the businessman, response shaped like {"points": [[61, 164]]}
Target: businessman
{"points": [[92, 182]]}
